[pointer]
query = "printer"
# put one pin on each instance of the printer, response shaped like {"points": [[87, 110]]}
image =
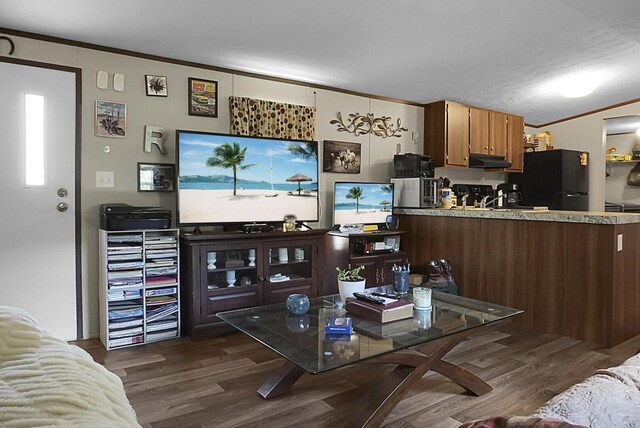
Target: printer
{"points": [[127, 217]]}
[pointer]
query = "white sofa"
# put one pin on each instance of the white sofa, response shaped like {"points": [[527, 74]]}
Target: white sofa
{"points": [[46, 382], [608, 399]]}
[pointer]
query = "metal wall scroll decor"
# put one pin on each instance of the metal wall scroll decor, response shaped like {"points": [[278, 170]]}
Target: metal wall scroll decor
{"points": [[360, 124]]}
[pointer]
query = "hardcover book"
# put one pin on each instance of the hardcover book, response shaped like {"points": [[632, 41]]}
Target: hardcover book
{"points": [[398, 310]]}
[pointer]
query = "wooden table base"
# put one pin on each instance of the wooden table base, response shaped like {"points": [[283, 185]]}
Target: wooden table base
{"points": [[381, 399]]}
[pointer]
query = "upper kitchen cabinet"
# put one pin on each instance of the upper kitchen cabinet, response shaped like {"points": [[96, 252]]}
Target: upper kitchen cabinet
{"points": [[447, 133], [498, 133], [453, 131], [515, 143], [479, 131]]}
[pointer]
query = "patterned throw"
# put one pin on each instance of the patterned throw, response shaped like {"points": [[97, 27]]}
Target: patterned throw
{"points": [[44, 381], [519, 422], [261, 118]]}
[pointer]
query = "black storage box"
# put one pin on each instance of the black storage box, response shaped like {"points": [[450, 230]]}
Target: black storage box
{"points": [[127, 217]]}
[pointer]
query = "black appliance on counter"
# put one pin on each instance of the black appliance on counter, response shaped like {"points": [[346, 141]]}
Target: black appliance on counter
{"points": [[475, 191], [558, 179], [511, 194], [126, 217], [410, 165]]}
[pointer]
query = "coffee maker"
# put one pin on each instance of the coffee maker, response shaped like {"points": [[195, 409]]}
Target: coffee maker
{"points": [[511, 191]]}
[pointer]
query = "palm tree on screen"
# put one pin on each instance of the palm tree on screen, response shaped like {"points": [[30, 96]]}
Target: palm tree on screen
{"points": [[305, 151], [229, 156], [357, 193]]}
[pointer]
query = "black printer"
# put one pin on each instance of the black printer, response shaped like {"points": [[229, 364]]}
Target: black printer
{"points": [[126, 217]]}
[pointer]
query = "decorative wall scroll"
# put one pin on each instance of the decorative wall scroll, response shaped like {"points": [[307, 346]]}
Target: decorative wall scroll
{"points": [[359, 124]]}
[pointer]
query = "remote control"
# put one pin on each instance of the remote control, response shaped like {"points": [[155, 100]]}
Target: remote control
{"points": [[369, 298], [387, 295]]}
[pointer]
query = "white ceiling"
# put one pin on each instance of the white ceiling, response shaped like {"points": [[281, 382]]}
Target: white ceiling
{"points": [[498, 54]]}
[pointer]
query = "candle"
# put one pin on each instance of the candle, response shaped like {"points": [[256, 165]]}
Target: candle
{"points": [[422, 297]]}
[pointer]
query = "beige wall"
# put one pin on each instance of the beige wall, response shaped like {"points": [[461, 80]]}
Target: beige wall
{"points": [[588, 133], [171, 114]]}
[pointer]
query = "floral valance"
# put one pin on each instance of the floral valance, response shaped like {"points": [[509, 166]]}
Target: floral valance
{"points": [[261, 118]]}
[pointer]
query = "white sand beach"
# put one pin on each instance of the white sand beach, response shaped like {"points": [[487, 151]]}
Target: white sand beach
{"points": [[220, 206], [364, 216]]}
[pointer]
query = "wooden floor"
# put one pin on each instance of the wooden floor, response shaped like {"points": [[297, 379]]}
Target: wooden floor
{"points": [[213, 382]]}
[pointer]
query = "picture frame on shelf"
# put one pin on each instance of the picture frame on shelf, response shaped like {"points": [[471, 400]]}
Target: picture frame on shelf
{"points": [[110, 119], [341, 157], [156, 177], [203, 97], [156, 86]]}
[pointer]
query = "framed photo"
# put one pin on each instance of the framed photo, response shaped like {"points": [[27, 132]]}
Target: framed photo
{"points": [[156, 85], [155, 177], [111, 119], [203, 97], [341, 157]]}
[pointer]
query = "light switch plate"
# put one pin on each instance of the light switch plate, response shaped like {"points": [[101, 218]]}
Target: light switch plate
{"points": [[105, 179], [620, 242]]}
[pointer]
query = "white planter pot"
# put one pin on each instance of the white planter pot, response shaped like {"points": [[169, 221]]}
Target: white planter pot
{"points": [[347, 288]]}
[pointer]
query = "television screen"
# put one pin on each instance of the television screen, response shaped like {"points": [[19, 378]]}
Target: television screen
{"points": [[361, 202], [226, 179]]}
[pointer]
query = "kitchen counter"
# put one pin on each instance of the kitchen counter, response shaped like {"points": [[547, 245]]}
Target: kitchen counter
{"points": [[589, 217], [574, 274]]}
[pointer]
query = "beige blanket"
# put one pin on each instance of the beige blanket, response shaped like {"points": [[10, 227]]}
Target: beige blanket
{"points": [[608, 399], [46, 382]]}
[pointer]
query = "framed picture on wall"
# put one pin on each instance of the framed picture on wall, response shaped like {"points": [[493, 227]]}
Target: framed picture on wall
{"points": [[203, 97], [341, 157], [156, 86], [111, 119], [155, 177]]}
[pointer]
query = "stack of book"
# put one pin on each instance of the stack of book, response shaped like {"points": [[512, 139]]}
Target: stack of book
{"points": [[381, 312]]}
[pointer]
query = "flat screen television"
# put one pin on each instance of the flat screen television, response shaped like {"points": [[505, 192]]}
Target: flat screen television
{"points": [[358, 202], [231, 179]]}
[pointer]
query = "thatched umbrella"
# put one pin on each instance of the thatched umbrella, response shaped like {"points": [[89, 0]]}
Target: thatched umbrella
{"points": [[384, 204], [299, 178]]}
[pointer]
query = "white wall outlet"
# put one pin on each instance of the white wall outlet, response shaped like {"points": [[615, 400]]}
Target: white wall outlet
{"points": [[105, 179], [620, 242]]}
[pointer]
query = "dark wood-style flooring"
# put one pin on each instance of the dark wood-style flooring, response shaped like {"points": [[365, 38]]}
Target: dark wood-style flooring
{"points": [[213, 382]]}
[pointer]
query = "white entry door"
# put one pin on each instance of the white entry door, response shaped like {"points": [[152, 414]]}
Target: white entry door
{"points": [[37, 177]]}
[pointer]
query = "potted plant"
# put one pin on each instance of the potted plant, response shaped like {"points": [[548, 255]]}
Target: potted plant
{"points": [[350, 281]]}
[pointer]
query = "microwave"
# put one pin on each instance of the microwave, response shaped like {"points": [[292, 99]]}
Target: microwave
{"points": [[417, 192]]}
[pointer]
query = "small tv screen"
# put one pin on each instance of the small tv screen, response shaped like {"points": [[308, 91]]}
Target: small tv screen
{"points": [[226, 179], [361, 202]]}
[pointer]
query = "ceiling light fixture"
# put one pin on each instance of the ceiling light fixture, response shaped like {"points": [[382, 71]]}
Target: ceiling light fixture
{"points": [[575, 85]]}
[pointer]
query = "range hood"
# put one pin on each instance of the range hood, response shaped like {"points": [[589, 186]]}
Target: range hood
{"points": [[477, 160]]}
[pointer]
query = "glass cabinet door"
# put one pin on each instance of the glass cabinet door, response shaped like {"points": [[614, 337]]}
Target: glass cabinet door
{"points": [[290, 262], [230, 268]]}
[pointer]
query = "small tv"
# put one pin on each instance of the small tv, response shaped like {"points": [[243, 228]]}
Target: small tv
{"points": [[359, 202], [231, 179]]}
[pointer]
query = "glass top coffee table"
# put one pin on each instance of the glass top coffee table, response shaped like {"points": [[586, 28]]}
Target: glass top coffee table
{"points": [[416, 344]]}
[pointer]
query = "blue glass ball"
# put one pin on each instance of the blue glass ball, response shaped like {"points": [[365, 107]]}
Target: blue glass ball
{"points": [[298, 304]]}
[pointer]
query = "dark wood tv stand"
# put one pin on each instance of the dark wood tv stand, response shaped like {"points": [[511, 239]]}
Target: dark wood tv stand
{"points": [[254, 259], [342, 249]]}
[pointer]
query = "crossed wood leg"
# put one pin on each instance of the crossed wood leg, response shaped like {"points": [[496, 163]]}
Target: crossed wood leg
{"points": [[380, 400]]}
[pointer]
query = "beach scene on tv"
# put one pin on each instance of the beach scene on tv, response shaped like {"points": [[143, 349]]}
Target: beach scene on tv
{"points": [[362, 203], [231, 179]]}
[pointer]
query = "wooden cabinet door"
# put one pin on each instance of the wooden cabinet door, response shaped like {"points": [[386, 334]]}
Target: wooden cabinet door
{"points": [[387, 263], [478, 131], [497, 133], [457, 135], [515, 143]]}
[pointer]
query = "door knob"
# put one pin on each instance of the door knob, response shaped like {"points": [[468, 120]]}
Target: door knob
{"points": [[62, 192], [62, 207]]}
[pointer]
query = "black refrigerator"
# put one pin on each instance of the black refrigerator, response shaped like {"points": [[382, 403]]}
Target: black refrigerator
{"points": [[558, 179]]}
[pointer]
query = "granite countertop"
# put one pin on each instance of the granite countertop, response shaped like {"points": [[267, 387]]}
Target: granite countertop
{"points": [[591, 217]]}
